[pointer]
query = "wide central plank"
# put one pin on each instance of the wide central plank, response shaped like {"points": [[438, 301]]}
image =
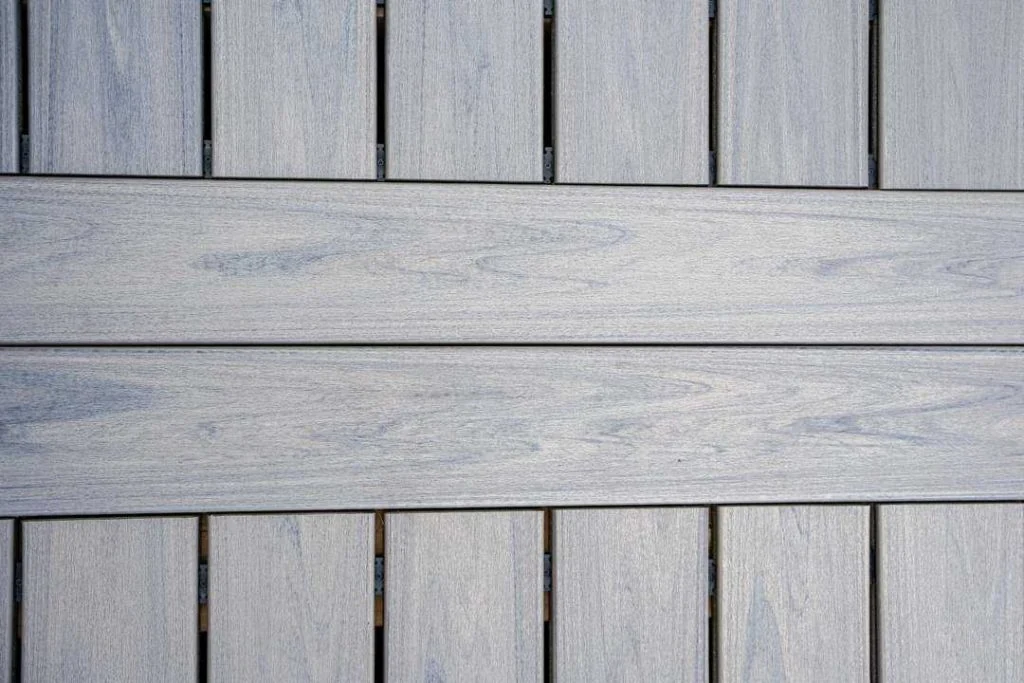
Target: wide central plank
{"points": [[104, 431], [84, 260]]}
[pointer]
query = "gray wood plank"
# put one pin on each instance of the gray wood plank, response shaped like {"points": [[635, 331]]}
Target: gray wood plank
{"points": [[248, 262], [630, 594], [793, 92], [358, 428], [6, 598], [793, 593], [115, 87], [10, 88], [632, 89], [110, 600], [951, 593], [295, 88], [291, 598], [465, 90], [464, 596], [952, 94]]}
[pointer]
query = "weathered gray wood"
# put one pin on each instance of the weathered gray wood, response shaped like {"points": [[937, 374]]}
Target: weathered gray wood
{"points": [[115, 87], [951, 593], [291, 598], [10, 93], [394, 262], [465, 90], [632, 89], [111, 600], [6, 598], [630, 594], [793, 92], [295, 88], [952, 94], [174, 430], [464, 596], [793, 593]]}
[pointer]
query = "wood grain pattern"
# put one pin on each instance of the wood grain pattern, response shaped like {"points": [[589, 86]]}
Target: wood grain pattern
{"points": [[631, 83], [463, 596], [356, 428], [250, 262], [291, 598], [10, 90], [793, 92], [295, 88], [951, 593], [111, 600], [6, 598], [115, 87], [630, 591], [465, 90], [793, 594], [952, 94]]}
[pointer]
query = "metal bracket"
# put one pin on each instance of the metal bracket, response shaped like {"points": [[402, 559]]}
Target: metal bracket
{"points": [[204, 583], [549, 165], [712, 168], [207, 158], [380, 161], [23, 160], [712, 8], [712, 576], [872, 172], [547, 572], [549, 8], [872, 10], [17, 583], [378, 576]]}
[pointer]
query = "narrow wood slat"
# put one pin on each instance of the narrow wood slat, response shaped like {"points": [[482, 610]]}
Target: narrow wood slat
{"points": [[115, 87], [6, 598], [630, 590], [249, 262], [291, 598], [793, 92], [110, 600], [632, 81], [295, 88], [10, 91], [793, 593], [464, 596], [162, 430], [952, 94], [465, 90], [951, 593]]}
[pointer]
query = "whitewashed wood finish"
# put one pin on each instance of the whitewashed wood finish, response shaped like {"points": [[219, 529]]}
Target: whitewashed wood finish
{"points": [[244, 262], [115, 87], [952, 94], [291, 598], [951, 593], [465, 90], [110, 600], [177, 430], [6, 598], [463, 595], [632, 89], [10, 92], [295, 88], [793, 92], [630, 594], [793, 593]]}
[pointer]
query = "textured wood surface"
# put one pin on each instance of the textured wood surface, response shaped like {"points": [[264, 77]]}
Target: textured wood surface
{"points": [[793, 594], [10, 92], [115, 87], [630, 591], [465, 90], [401, 262], [632, 89], [793, 92], [464, 596], [952, 94], [291, 598], [165, 430], [951, 593], [111, 600], [295, 88], [6, 598]]}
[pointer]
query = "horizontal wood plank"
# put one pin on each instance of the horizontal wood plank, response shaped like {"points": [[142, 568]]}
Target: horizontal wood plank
{"points": [[143, 261], [161, 430]]}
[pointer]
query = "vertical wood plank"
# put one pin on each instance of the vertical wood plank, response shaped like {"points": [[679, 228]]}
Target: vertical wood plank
{"points": [[10, 92], [115, 87], [463, 596], [465, 90], [295, 88], [110, 600], [291, 598], [632, 89], [793, 92], [6, 598], [793, 593], [630, 594], [951, 592], [952, 94]]}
